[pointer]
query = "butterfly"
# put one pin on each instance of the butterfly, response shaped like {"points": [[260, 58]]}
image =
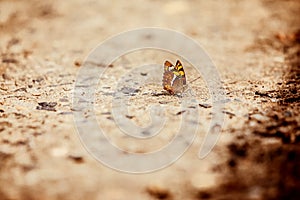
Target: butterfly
{"points": [[174, 80]]}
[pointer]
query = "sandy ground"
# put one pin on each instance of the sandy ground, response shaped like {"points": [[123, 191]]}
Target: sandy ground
{"points": [[255, 46]]}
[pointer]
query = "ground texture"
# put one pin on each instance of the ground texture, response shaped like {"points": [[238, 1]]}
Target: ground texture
{"points": [[255, 46]]}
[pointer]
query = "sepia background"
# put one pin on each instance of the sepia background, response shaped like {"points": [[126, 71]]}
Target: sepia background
{"points": [[255, 47]]}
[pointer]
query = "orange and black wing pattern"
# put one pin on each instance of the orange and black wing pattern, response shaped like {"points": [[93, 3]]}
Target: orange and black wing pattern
{"points": [[174, 79]]}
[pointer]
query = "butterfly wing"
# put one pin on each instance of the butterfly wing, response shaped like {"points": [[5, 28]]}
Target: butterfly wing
{"points": [[174, 77], [181, 74], [168, 76], [168, 66]]}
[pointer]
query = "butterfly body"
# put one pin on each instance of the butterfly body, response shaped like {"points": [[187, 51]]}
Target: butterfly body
{"points": [[174, 80]]}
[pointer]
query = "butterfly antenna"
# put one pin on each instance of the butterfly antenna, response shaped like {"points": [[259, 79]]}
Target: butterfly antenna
{"points": [[186, 86], [195, 79]]}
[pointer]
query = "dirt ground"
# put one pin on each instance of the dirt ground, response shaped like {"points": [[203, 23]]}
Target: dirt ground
{"points": [[255, 46]]}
